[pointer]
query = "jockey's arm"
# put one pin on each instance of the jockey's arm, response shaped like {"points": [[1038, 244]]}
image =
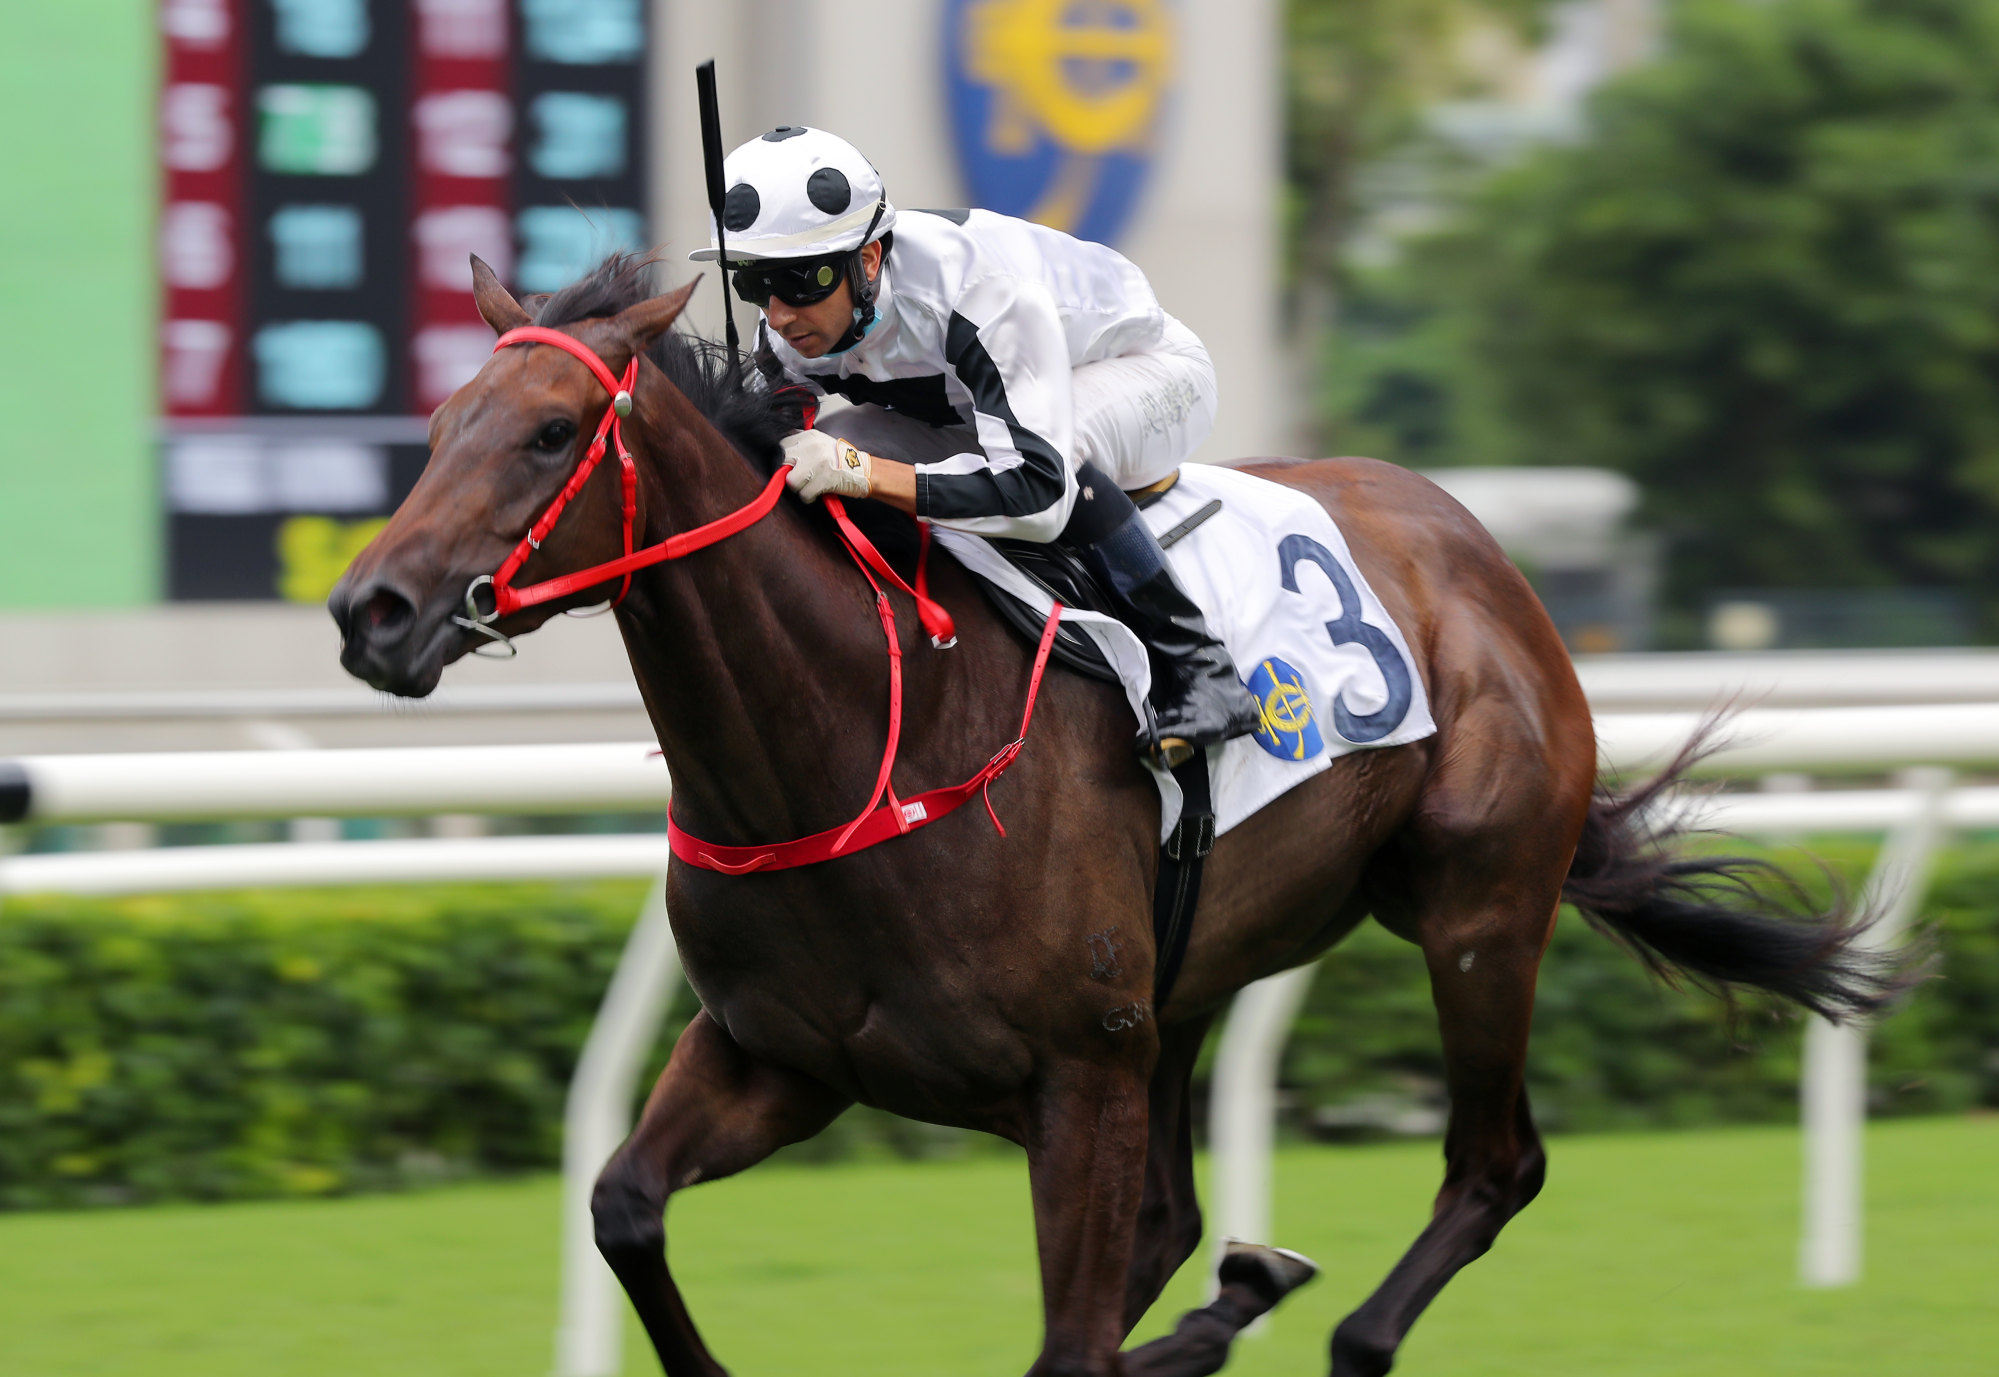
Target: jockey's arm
{"points": [[1006, 345], [893, 482], [1015, 364]]}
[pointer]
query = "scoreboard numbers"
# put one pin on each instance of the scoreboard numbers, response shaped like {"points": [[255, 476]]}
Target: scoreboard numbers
{"points": [[327, 167]]}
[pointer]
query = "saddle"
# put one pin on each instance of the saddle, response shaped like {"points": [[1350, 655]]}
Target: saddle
{"points": [[1061, 575]]}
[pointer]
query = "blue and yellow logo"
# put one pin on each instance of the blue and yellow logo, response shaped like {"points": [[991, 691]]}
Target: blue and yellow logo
{"points": [[1057, 104], [1289, 730]]}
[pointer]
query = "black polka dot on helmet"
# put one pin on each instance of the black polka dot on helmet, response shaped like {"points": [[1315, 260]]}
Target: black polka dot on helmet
{"points": [[740, 208], [829, 190]]}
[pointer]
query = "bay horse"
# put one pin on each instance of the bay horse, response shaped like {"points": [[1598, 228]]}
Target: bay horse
{"points": [[1003, 983]]}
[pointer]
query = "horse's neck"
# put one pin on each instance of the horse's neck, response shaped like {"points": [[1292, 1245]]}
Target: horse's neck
{"points": [[756, 655]]}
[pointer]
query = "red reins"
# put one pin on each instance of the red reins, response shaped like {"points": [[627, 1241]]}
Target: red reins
{"points": [[892, 818]]}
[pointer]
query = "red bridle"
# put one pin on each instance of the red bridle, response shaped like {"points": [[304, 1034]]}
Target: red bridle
{"points": [[610, 431], [894, 817]]}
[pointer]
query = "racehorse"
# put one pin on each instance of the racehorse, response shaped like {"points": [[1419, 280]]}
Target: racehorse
{"points": [[1004, 982]]}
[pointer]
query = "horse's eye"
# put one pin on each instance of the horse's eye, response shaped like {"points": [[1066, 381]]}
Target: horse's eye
{"points": [[555, 436]]}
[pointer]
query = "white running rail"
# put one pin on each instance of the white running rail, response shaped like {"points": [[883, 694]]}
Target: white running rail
{"points": [[288, 864], [1788, 678], [628, 775], [187, 785], [352, 700], [1613, 683]]}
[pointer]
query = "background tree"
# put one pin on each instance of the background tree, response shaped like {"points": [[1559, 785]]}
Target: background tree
{"points": [[1358, 76], [1767, 287]]}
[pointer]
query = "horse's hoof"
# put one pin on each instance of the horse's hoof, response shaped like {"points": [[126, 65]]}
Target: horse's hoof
{"points": [[1273, 1273]]}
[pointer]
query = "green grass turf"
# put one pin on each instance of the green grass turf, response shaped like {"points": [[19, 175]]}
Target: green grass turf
{"points": [[1660, 1254]]}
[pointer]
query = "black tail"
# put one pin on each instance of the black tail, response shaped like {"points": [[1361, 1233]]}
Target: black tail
{"points": [[1723, 921]]}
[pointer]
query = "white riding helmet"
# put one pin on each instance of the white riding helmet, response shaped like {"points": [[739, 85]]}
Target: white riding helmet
{"points": [[799, 193]]}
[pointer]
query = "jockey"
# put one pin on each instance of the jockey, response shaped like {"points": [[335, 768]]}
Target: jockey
{"points": [[1008, 380]]}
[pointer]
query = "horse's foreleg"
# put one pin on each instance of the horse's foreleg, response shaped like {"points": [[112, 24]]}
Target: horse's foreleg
{"points": [[1482, 967], [1169, 1211], [1085, 1160], [715, 1111]]}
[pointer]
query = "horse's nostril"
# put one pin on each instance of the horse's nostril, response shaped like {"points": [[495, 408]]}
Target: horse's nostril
{"points": [[387, 612]]}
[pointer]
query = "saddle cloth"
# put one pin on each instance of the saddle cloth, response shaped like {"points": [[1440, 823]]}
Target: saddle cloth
{"points": [[1277, 583]]}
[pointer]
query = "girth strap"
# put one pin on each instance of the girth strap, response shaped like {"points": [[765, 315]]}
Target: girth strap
{"points": [[1178, 890]]}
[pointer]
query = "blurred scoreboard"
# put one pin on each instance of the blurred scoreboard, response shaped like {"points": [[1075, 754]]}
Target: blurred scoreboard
{"points": [[327, 167]]}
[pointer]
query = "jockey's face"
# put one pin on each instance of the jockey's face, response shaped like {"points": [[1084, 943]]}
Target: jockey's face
{"points": [[814, 329]]}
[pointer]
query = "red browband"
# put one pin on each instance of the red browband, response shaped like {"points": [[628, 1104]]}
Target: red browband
{"points": [[894, 817]]}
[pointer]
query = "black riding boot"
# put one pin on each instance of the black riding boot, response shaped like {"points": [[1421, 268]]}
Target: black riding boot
{"points": [[1197, 698]]}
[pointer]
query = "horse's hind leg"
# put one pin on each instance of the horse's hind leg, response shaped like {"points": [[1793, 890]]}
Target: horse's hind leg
{"points": [[715, 1111], [1253, 1280], [1482, 958], [1169, 1229]]}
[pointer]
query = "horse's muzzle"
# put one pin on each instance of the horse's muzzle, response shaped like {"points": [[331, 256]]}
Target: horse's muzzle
{"points": [[380, 641]]}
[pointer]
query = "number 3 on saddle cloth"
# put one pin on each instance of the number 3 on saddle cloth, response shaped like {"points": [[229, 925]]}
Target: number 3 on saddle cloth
{"points": [[1280, 587]]}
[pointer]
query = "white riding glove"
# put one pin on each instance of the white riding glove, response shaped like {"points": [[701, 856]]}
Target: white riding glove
{"points": [[823, 464]]}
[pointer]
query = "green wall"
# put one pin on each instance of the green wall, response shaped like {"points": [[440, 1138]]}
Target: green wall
{"points": [[78, 515]]}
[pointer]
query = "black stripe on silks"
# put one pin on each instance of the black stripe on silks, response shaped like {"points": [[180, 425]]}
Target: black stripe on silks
{"points": [[16, 794], [1032, 486], [921, 399]]}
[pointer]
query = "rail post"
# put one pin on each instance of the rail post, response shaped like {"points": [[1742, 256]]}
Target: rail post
{"points": [[1832, 1088], [1242, 1103], [589, 1338]]}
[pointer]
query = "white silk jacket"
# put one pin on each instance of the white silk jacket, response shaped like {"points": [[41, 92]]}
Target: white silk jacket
{"points": [[980, 320]]}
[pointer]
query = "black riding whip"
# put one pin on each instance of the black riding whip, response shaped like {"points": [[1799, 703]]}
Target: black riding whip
{"points": [[711, 157]]}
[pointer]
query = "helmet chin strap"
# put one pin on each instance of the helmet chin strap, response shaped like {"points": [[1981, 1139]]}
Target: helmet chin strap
{"points": [[864, 321], [865, 288]]}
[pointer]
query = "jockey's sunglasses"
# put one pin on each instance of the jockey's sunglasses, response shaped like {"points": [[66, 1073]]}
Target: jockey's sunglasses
{"points": [[795, 282]]}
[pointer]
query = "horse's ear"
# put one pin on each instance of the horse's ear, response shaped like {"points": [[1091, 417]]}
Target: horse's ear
{"points": [[645, 322], [496, 304]]}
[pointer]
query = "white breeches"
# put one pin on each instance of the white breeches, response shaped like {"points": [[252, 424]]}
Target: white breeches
{"points": [[1140, 417]]}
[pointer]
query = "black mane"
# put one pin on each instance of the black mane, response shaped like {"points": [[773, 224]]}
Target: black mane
{"points": [[730, 396]]}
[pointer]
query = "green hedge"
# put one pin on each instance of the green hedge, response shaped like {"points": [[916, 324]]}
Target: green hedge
{"points": [[219, 1046], [292, 1043], [1614, 1049]]}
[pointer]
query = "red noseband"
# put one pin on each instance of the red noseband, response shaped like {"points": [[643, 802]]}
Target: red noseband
{"points": [[610, 432]]}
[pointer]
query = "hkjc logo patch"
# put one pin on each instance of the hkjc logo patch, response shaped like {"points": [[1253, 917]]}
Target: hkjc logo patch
{"points": [[1058, 107], [1290, 729]]}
